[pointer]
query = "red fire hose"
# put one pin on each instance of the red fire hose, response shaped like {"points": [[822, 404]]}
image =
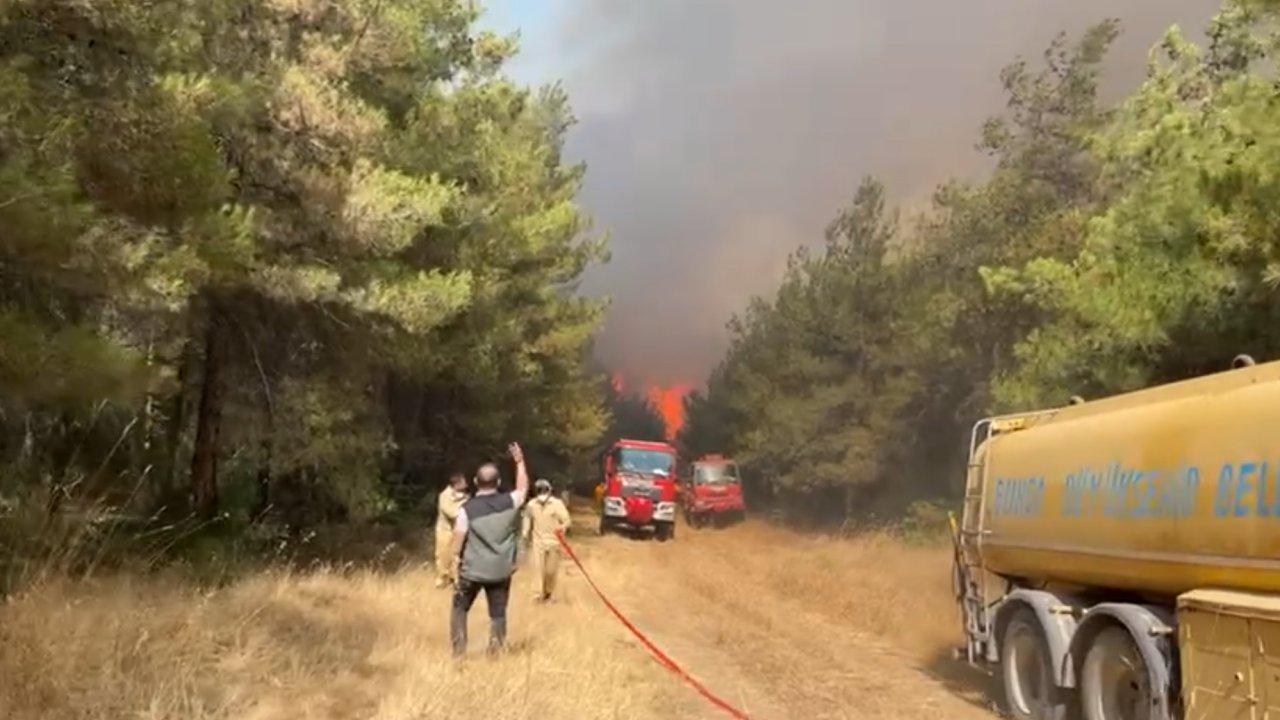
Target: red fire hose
{"points": [[663, 659]]}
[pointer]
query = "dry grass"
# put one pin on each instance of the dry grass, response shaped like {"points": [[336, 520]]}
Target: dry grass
{"points": [[874, 583], [795, 625], [321, 645], [787, 625]]}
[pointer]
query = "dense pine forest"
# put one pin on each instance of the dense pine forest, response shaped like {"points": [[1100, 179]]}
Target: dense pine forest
{"points": [[287, 263], [1114, 245], [278, 260]]}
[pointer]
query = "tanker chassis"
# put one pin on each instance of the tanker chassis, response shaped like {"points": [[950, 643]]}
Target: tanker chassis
{"points": [[1120, 559]]}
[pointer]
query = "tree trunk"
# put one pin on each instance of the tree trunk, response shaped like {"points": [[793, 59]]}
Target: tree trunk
{"points": [[268, 436], [264, 492], [264, 474], [177, 420], [204, 460], [63, 454]]}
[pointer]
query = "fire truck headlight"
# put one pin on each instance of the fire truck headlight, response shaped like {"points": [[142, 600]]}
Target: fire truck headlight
{"points": [[614, 507], [665, 511]]}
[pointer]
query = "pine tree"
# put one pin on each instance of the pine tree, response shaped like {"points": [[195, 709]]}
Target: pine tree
{"points": [[257, 230]]}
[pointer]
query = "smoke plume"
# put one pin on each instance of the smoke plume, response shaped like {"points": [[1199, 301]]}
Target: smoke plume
{"points": [[722, 134]]}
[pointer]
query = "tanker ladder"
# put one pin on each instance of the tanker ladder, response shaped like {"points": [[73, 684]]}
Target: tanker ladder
{"points": [[970, 580]]}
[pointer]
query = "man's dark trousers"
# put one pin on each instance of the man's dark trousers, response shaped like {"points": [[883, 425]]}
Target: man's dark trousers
{"points": [[495, 596]]}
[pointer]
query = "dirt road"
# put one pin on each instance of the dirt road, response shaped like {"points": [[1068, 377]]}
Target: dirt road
{"points": [[789, 626]]}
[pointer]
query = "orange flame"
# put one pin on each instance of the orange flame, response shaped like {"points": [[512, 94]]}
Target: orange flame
{"points": [[669, 402]]}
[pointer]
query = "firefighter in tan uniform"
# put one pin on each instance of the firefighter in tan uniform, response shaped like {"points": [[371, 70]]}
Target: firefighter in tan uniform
{"points": [[450, 501], [544, 516]]}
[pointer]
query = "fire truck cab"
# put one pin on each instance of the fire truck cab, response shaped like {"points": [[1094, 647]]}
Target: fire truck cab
{"points": [[638, 490], [712, 490]]}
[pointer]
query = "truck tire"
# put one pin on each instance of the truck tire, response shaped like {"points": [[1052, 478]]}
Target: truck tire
{"points": [[1114, 681], [1026, 671]]}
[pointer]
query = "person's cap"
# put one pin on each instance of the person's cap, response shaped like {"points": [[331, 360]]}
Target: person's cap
{"points": [[542, 484]]}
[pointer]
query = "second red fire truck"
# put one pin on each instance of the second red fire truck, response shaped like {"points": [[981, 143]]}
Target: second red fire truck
{"points": [[712, 491]]}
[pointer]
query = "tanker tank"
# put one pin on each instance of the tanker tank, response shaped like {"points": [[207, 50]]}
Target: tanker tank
{"points": [[1160, 491], [1119, 559]]}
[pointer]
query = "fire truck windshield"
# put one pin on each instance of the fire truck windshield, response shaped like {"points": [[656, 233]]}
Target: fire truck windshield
{"points": [[716, 474], [649, 462]]}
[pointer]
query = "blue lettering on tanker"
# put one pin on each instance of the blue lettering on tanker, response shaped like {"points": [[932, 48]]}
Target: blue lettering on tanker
{"points": [[1123, 492], [1019, 496], [1246, 489]]}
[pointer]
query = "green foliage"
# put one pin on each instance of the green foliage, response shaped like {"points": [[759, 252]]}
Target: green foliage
{"points": [[1178, 271], [1109, 249], [926, 521], [852, 386], [317, 244]]}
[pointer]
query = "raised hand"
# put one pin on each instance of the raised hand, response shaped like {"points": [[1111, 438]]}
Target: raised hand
{"points": [[522, 473]]}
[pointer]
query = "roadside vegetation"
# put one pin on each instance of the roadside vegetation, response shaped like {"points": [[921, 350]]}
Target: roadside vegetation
{"points": [[1113, 246], [788, 628], [273, 265]]}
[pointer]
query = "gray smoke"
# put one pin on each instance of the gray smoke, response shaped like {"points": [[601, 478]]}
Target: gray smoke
{"points": [[722, 134]]}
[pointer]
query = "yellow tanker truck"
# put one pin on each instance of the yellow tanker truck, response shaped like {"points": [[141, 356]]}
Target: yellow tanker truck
{"points": [[1119, 559]]}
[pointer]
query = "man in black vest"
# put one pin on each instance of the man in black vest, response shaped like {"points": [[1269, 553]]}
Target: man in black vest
{"points": [[484, 542]]}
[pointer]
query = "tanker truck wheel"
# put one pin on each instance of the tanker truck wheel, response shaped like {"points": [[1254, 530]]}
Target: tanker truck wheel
{"points": [[1027, 672], [1114, 681]]}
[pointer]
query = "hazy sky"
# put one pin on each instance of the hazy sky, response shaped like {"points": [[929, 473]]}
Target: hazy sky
{"points": [[720, 135]]}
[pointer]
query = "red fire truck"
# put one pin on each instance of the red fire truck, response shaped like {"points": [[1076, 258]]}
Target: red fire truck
{"points": [[639, 488], [712, 491]]}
